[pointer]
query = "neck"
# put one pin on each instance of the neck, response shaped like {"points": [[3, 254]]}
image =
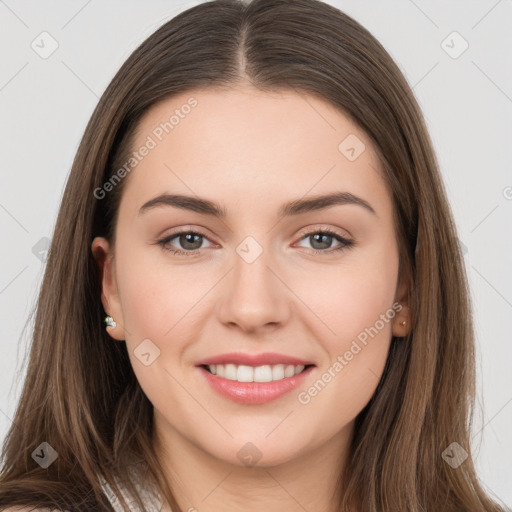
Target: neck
{"points": [[204, 483]]}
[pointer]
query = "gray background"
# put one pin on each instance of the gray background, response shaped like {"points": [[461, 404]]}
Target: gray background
{"points": [[467, 101]]}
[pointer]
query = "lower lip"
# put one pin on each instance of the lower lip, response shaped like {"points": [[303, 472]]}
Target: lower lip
{"points": [[254, 393]]}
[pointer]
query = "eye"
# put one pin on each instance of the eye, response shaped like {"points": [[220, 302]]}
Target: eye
{"points": [[321, 241], [189, 241]]}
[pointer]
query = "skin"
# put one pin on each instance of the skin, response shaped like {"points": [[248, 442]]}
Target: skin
{"points": [[236, 147]]}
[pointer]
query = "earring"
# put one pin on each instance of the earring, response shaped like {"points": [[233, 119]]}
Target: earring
{"points": [[403, 323], [109, 321]]}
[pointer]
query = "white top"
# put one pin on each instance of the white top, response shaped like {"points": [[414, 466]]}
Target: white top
{"points": [[150, 496]]}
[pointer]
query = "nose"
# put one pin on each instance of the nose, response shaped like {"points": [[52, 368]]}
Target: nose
{"points": [[254, 297]]}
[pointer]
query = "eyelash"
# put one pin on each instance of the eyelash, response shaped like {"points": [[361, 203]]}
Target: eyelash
{"points": [[344, 243]]}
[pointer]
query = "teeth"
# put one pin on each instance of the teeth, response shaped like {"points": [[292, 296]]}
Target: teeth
{"points": [[278, 372], [289, 371], [263, 374], [230, 372], [244, 374], [266, 373]]}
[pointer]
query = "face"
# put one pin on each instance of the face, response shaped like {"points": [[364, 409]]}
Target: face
{"points": [[300, 295]]}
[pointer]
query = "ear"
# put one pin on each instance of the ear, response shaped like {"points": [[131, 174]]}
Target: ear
{"points": [[104, 257], [402, 321]]}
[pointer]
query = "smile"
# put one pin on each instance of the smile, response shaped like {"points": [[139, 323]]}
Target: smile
{"points": [[254, 385], [266, 373]]}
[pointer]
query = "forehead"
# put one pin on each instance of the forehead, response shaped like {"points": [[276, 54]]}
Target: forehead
{"points": [[243, 145]]}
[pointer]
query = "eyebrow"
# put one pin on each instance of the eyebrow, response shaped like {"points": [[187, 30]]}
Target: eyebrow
{"points": [[296, 207]]}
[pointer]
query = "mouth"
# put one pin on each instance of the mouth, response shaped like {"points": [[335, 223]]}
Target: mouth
{"points": [[254, 385], [264, 373]]}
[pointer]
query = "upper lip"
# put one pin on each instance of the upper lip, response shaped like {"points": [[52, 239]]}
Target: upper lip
{"points": [[267, 358]]}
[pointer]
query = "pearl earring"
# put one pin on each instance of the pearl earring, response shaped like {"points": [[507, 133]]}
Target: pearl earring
{"points": [[109, 321]]}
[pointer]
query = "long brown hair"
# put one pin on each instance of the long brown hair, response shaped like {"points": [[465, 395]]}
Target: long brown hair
{"points": [[81, 395]]}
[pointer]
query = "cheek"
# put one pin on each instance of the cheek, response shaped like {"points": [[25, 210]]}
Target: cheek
{"points": [[349, 297], [155, 301], [152, 300], [360, 308], [157, 297], [355, 300], [161, 302]]}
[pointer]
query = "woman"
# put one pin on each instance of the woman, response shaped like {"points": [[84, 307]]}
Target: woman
{"points": [[240, 368]]}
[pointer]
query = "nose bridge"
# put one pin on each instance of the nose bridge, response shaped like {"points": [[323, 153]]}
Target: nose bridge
{"points": [[251, 268], [255, 297]]}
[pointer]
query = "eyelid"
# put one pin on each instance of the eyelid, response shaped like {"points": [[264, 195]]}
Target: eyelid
{"points": [[314, 228], [188, 228]]}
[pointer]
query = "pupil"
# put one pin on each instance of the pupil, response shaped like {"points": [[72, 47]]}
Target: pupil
{"points": [[322, 236], [187, 240]]}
